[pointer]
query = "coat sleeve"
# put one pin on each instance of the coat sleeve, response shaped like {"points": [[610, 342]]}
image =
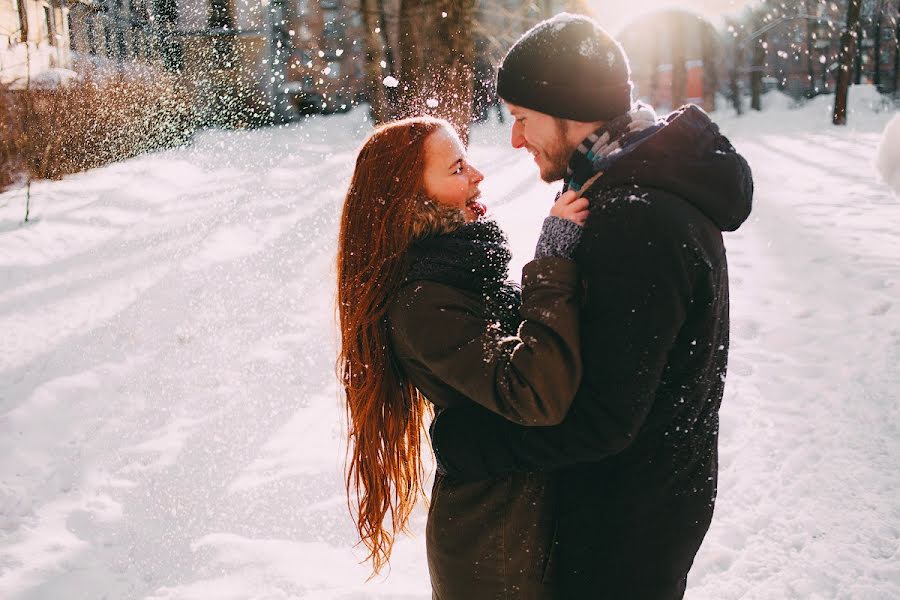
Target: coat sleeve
{"points": [[530, 378], [638, 290]]}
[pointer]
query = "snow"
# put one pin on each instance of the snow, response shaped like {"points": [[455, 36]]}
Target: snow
{"points": [[171, 429]]}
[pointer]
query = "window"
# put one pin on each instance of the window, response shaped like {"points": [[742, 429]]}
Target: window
{"points": [[107, 39], [220, 15], [121, 47], [91, 33], [48, 23], [333, 28], [334, 70]]}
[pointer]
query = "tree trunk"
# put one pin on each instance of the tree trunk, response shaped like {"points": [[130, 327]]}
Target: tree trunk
{"points": [[857, 57], [710, 72], [734, 86], [848, 50], [897, 54], [679, 66], [810, 50], [412, 58], [378, 102], [876, 78], [654, 69], [23, 21], [450, 79], [756, 72]]}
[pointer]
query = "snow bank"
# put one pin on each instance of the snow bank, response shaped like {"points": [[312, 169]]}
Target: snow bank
{"points": [[889, 155], [866, 109]]}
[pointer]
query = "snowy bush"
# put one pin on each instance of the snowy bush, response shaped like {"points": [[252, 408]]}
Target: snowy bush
{"points": [[91, 121], [11, 139], [889, 155]]}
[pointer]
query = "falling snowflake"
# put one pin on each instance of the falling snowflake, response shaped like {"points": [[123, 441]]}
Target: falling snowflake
{"points": [[432, 102], [390, 81]]}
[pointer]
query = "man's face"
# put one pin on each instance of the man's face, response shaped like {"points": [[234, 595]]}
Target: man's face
{"points": [[545, 137]]}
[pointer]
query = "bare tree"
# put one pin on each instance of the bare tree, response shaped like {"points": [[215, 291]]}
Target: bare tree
{"points": [[848, 50], [452, 75], [897, 51], [654, 68], [679, 62], [709, 50], [858, 54], [756, 71], [809, 7], [378, 101], [23, 21], [879, 17], [411, 41]]}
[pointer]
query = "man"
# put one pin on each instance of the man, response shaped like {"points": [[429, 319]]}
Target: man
{"points": [[635, 459]]}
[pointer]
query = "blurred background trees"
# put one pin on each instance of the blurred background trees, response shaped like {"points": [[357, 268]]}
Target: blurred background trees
{"points": [[232, 63]]}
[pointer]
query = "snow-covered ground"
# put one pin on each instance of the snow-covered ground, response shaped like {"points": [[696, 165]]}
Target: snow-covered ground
{"points": [[170, 428]]}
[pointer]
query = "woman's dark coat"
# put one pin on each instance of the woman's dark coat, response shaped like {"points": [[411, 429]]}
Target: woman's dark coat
{"points": [[490, 540]]}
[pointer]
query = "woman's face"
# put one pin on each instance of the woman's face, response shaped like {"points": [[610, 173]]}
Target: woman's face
{"points": [[449, 178]]}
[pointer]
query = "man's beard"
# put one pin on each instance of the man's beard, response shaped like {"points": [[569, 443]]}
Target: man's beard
{"points": [[558, 154]]}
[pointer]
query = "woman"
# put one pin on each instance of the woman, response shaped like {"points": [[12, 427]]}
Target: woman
{"points": [[426, 313]]}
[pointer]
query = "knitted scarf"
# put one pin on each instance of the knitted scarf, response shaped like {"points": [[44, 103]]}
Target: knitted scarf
{"points": [[609, 143], [473, 257]]}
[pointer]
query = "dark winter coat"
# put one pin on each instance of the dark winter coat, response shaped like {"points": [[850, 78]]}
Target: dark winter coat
{"points": [[490, 540], [636, 458]]}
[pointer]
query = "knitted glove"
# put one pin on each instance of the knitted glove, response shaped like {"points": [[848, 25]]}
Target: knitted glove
{"points": [[559, 237]]}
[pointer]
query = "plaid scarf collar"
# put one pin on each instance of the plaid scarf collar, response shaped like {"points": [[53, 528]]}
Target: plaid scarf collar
{"points": [[609, 143]]}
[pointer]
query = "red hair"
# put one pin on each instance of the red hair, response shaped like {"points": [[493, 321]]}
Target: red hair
{"points": [[385, 411]]}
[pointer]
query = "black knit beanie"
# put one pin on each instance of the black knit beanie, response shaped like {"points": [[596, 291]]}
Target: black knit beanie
{"points": [[567, 67]]}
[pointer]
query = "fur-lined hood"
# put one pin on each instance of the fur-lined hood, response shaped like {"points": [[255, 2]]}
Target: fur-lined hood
{"points": [[433, 218]]}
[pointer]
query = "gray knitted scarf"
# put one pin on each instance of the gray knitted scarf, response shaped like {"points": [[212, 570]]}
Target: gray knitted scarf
{"points": [[610, 142]]}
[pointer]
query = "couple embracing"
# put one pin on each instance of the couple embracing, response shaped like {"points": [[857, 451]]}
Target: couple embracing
{"points": [[576, 418]]}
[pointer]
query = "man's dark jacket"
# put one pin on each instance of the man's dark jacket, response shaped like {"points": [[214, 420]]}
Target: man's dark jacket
{"points": [[636, 457]]}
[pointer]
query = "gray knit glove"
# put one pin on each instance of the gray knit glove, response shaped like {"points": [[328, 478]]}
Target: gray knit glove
{"points": [[559, 237]]}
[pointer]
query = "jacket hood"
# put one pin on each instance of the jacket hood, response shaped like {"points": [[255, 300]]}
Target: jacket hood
{"points": [[688, 157]]}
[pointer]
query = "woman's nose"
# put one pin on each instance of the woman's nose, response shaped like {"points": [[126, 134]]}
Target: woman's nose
{"points": [[476, 176]]}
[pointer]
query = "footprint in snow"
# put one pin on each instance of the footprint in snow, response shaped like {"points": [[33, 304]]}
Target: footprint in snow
{"points": [[880, 309]]}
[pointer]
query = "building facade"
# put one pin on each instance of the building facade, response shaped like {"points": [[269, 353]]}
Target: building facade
{"points": [[325, 55], [34, 38], [116, 30]]}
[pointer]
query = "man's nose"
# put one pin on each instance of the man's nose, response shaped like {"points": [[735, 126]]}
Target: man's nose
{"points": [[517, 139]]}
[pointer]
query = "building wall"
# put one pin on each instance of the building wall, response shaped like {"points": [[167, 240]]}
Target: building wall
{"points": [[47, 45], [115, 30], [325, 54]]}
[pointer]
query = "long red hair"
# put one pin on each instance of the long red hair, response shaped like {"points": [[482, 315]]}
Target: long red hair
{"points": [[385, 411]]}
